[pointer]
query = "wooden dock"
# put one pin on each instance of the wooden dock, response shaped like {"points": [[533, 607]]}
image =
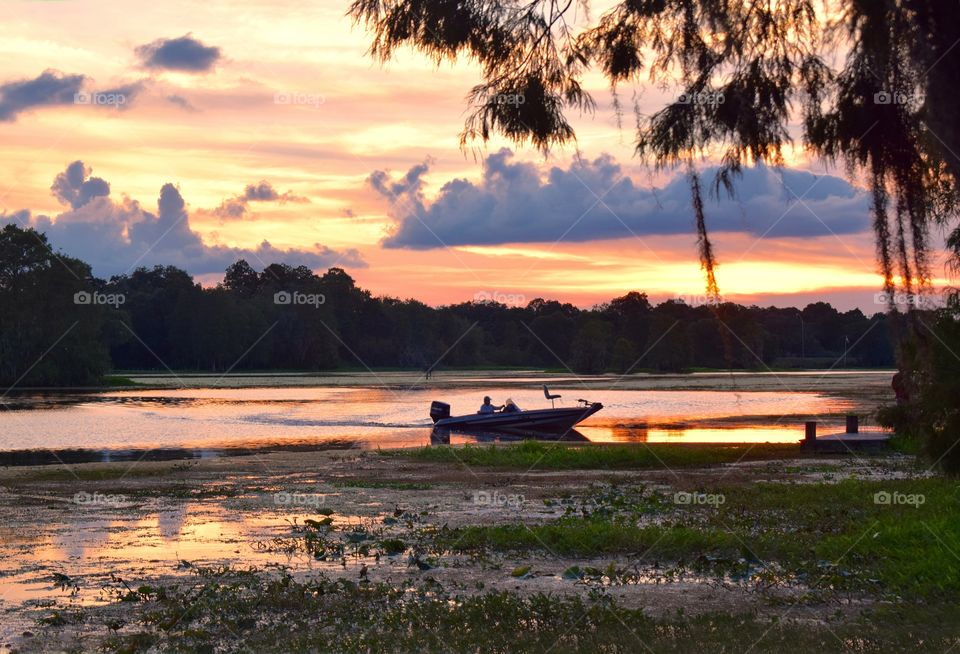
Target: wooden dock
{"points": [[853, 439]]}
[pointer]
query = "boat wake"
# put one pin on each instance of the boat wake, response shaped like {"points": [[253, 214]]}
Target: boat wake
{"points": [[270, 419]]}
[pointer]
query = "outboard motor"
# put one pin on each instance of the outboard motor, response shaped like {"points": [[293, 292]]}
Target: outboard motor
{"points": [[439, 410]]}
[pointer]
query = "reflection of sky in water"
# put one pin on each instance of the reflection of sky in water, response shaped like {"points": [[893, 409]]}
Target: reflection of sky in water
{"points": [[95, 540], [379, 416], [784, 433]]}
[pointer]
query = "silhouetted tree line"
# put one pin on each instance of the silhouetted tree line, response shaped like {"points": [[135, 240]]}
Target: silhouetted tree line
{"points": [[61, 326]]}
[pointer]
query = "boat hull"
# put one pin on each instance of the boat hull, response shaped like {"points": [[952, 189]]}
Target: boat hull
{"points": [[549, 421]]}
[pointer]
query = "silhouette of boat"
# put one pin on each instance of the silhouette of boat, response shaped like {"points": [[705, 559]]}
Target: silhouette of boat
{"points": [[545, 421]]}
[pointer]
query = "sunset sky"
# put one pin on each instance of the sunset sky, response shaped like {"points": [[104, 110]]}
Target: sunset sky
{"points": [[262, 130]]}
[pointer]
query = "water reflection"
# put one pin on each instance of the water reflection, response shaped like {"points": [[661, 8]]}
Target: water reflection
{"points": [[38, 457], [93, 539], [74, 544], [687, 434], [95, 546], [170, 522], [197, 422], [440, 436]]}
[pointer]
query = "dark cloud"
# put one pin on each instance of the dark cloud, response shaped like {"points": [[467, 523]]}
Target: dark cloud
{"points": [[409, 184], [262, 191], [75, 187], [115, 237], [184, 54], [52, 88], [49, 88], [517, 203]]}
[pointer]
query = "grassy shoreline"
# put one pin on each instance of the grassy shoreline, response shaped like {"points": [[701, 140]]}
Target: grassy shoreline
{"points": [[869, 385], [569, 456]]}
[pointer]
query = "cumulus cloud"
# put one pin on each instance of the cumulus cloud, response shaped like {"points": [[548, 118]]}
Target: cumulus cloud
{"points": [[76, 187], [262, 191], [118, 236], [183, 54], [49, 88], [593, 200], [53, 88]]}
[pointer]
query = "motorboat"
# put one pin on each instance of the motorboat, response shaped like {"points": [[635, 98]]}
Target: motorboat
{"points": [[550, 421]]}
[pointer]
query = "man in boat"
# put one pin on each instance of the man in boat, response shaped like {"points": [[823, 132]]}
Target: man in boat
{"points": [[487, 407]]}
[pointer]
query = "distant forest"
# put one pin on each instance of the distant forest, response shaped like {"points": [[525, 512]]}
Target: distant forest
{"points": [[61, 326]]}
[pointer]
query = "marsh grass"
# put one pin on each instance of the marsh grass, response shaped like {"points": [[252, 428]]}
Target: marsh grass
{"points": [[226, 610], [528, 454], [92, 473], [591, 538], [119, 381], [831, 535], [906, 444], [368, 483]]}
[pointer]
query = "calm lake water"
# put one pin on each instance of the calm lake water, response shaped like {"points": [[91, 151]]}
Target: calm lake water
{"points": [[209, 419]]}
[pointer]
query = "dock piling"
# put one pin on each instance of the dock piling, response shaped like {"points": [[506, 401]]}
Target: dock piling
{"points": [[853, 424]]}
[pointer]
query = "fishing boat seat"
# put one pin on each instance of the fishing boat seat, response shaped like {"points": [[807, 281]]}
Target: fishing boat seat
{"points": [[550, 396]]}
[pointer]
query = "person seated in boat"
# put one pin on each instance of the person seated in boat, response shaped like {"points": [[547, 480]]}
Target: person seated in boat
{"points": [[510, 406], [487, 406]]}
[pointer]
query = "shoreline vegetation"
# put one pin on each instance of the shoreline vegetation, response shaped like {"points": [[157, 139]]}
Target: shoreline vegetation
{"points": [[874, 380], [146, 379], [547, 546], [290, 318], [595, 456], [350, 370]]}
